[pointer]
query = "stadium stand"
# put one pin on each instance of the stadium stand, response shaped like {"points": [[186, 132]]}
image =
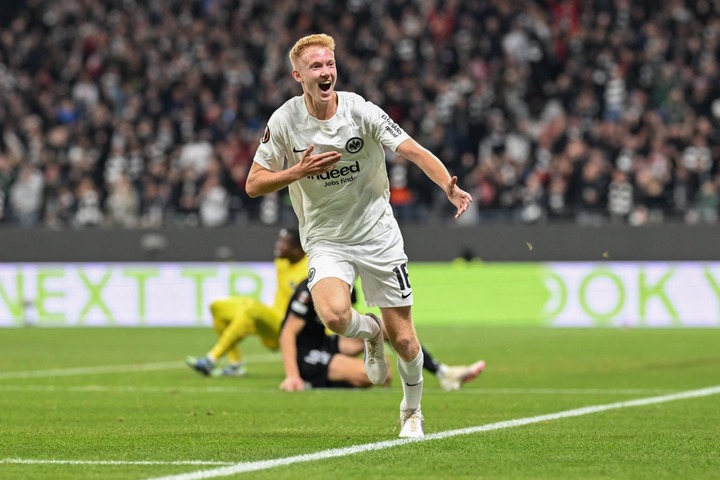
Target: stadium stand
{"points": [[141, 114]]}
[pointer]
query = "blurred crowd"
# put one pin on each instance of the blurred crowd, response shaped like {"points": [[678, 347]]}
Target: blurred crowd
{"points": [[143, 114]]}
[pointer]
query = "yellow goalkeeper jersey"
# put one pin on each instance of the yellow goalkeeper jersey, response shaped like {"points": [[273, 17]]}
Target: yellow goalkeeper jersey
{"points": [[289, 276]]}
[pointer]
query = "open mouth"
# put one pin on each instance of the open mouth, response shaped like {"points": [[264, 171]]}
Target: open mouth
{"points": [[325, 86]]}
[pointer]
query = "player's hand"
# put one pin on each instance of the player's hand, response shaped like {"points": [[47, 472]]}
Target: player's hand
{"points": [[292, 384], [459, 197], [318, 164]]}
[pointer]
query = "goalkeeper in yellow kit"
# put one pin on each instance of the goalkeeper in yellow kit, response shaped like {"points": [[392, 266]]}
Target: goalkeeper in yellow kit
{"points": [[234, 318]]}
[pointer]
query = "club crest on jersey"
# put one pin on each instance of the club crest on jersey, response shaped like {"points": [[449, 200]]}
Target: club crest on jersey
{"points": [[354, 145], [266, 136]]}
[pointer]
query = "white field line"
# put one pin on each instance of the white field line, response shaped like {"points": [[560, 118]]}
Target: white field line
{"points": [[140, 367], [427, 391], [368, 447], [30, 461]]}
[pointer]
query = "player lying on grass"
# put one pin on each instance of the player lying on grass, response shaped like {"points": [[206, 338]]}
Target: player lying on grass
{"points": [[235, 318], [313, 359]]}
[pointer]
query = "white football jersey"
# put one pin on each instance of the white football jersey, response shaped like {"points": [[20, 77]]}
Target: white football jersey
{"points": [[349, 204]]}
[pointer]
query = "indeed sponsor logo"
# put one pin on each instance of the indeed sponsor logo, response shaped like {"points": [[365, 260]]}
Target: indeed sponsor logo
{"points": [[338, 172]]}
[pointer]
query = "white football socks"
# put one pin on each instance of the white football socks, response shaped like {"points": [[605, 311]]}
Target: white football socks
{"points": [[361, 326], [412, 381]]}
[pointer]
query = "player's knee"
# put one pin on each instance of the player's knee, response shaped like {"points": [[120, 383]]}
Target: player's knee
{"points": [[270, 343], [336, 319], [406, 346], [218, 324], [215, 308]]}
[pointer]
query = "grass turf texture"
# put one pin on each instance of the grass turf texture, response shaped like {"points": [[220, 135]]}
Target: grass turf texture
{"points": [[172, 414]]}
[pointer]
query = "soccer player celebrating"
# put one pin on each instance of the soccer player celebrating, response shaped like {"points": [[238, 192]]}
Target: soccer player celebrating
{"points": [[333, 143], [235, 318]]}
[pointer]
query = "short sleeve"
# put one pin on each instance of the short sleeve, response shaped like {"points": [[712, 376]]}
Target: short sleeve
{"points": [[301, 302], [383, 127], [270, 153]]}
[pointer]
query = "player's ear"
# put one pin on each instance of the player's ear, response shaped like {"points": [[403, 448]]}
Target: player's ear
{"points": [[296, 75]]}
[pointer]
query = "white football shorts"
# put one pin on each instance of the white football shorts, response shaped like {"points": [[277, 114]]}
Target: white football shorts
{"points": [[381, 264]]}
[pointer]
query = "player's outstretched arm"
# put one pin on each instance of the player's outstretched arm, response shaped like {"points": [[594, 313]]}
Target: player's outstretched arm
{"points": [[436, 171], [288, 346]]}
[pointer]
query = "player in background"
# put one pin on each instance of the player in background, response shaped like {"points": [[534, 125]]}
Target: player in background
{"points": [[327, 147], [312, 359], [235, 318]]}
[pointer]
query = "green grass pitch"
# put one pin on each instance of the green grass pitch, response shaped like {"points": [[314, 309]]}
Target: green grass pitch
{"points": [[107, 403]]}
